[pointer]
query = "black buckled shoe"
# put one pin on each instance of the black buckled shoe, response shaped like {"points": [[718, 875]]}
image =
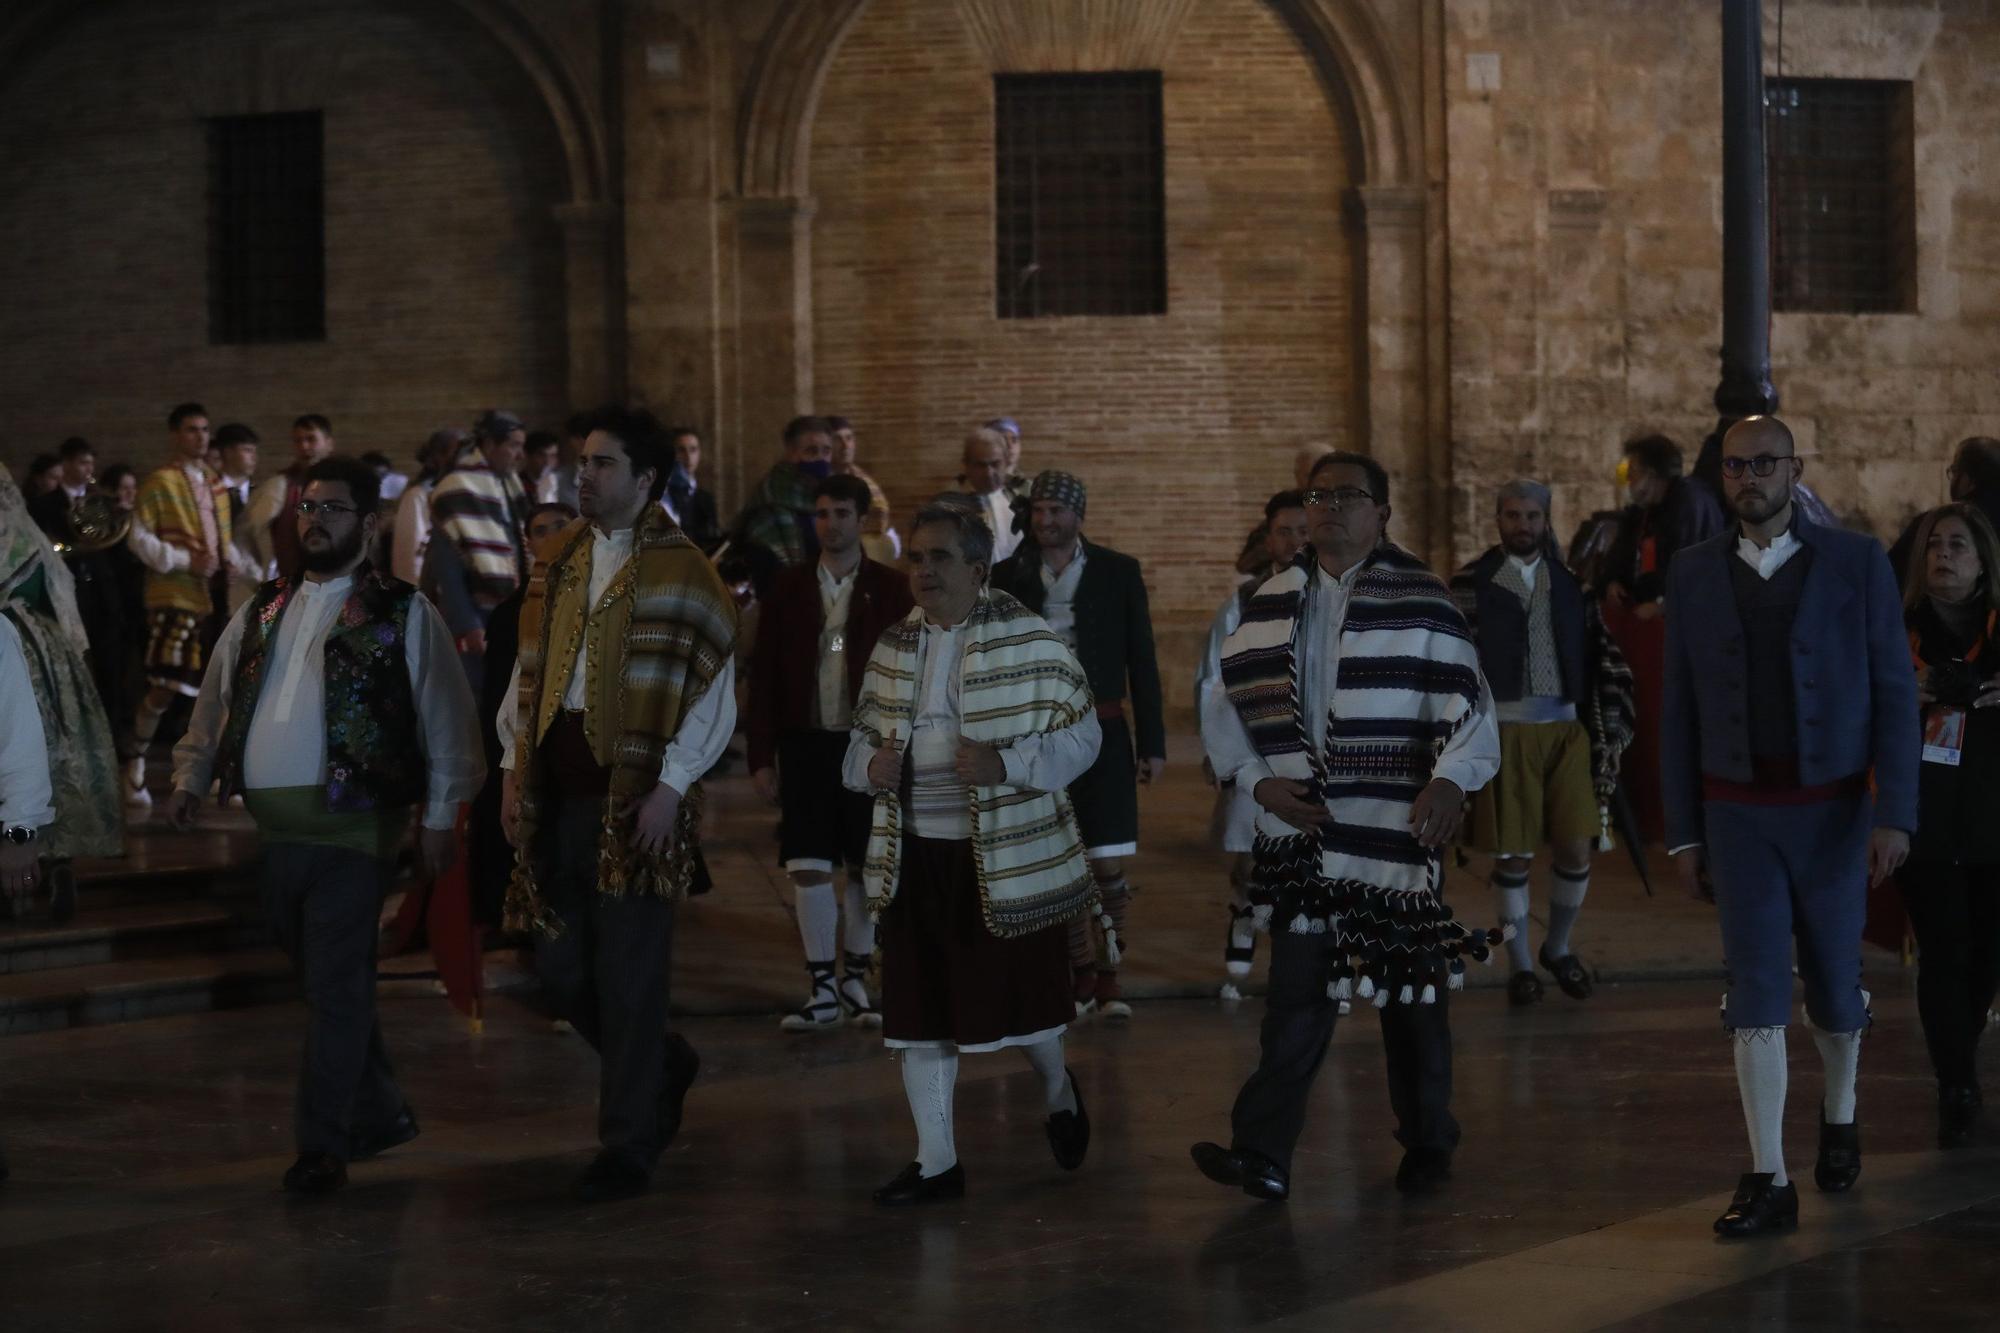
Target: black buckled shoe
{"points": [[1523, 988], [316, 1173], [1958, 1114], [611, 1176], [1069, 1131], [1839, 1161], [1253, 1173], [1759, 1207], [375, 1142], [683, 1063], [1424, 1170], [911, 1185], [1569, 972]]}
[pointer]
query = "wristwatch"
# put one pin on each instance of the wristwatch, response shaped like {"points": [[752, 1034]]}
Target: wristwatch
{"points": [[18, 834]]}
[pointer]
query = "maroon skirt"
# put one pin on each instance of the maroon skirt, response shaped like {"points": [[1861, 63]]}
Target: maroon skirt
{"points": [[945, 977]]}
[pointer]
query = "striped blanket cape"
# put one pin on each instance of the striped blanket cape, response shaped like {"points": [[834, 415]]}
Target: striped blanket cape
{"points": [[479, 511], [1017, 678], [1408, 680]]}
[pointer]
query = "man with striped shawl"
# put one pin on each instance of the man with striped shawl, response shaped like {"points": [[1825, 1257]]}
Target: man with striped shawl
{"points": [[478, 555], [623, 697], [974, 718], [1354, 712]]}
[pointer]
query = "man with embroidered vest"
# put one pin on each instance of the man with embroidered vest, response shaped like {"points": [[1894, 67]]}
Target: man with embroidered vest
{"points": [[1282, 535], [180, 533], [1354, 710], [818, 628], [333, 707], [623, 697], [1564, 700], [478, 554], [1788, 686], [1095, 598], [974, 718]]}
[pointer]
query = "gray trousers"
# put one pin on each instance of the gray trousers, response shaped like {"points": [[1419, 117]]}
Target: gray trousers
{"points": [[324, 905], [608, 975]]}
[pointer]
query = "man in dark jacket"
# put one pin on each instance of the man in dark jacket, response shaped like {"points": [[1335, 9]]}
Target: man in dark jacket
{"points": [[814, 637], [1564, 699], [1788, 687], [1095, 598]]}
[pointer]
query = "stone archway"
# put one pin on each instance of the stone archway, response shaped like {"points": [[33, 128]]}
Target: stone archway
{"points": [[1376, 103]]}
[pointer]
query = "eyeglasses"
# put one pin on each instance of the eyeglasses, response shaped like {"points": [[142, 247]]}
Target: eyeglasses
{"points": [[308, 508], [1762, 465], [1346, 497]]}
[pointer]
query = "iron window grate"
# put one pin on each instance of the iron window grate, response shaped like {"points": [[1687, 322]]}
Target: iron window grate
{"points": [[267, 228], [1079, 195], [1843, 195]]}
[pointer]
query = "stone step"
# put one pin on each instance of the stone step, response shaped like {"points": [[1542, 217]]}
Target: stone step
{"points": [[118, 992], [148, 929]]}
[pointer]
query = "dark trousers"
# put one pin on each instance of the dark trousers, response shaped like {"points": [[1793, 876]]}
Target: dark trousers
{"points": [[608, 975], [324, 904], [1270, 1111], [1955, 911]]}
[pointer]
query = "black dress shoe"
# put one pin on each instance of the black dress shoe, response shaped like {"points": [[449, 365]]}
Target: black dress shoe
{"points": [[1523, 988], [375, 1142], [1839, 1162], [683, 1063], [610, 1176], [911, 1185], [1069, 1131], [1569, 972], [1759, 1207], [316, 1173], [1958, 1113], [1252, 1172], [1423, 1170]]}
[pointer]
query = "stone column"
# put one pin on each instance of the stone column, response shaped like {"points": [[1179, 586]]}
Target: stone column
{"points": [[774, 334], [1387, 222], [1746, 387], [596, 362]]}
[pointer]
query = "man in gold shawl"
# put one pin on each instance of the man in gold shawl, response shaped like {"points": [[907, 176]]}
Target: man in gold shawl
{"points": [[623, 697]]}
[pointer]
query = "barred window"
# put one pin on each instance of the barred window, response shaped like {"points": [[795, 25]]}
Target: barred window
{"points": [[1079, 195], [266, 229], [1843, 195]]}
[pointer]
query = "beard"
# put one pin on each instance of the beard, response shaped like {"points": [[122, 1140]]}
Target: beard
{"points": [[336, 555], [1755, 506], [1522, 544]]}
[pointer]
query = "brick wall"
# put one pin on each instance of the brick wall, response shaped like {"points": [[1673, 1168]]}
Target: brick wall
{"points": [[1182, 424], [443, 261]]}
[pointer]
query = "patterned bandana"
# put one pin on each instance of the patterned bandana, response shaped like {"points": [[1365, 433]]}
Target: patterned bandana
{"points": [[1061, 487]]}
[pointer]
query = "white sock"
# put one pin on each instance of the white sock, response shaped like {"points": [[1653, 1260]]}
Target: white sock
{"points": [[929, 1076], [1058, 1094], [1840, 1053], [1566, 892], [1760, 1080], [858, 926], [1510, 893], [819, 920]]}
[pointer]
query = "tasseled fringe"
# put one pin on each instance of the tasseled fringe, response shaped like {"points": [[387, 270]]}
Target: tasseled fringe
{"points": [[1430, 995], [1111, 951], [1342, 989], [1366, 989], [1455, 978], [1507, 932], [1261, 913], [1405, 995], [1382, 998]]}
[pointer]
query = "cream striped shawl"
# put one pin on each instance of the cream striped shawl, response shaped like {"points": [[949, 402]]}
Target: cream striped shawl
{"points": [[480, 512], [1017, 679]]}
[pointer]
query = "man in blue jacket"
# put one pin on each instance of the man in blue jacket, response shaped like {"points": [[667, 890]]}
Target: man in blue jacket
{"points": [[1788, 682]]}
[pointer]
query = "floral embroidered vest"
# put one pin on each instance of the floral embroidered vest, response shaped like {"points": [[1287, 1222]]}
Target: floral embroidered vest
{"points": [[373, 760]]}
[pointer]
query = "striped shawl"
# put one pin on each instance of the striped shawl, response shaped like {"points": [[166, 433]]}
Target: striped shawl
{"points": [[172, 505], [1017, 679], [1408, 680], [480, 511], [658, 639]]}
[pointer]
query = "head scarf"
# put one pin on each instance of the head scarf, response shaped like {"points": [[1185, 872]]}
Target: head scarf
{"points": [[1062, 487], [24, 550]]}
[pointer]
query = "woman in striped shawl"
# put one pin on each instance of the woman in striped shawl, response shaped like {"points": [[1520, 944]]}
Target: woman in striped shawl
{"points": [[1354, 712]]}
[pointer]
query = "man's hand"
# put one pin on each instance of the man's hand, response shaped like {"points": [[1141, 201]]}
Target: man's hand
{"points": [[980, 765], [885, 767], [1989, 695], [19, 869], [765, 783], [1924, 695], [1687, 862], [1291, 802], [1150, 769], [472, 641], [182, 811], [1647, 611], [1437, 812], [437, 850], [653, 828], [205, 563], [1888, 848], [510, 806]]}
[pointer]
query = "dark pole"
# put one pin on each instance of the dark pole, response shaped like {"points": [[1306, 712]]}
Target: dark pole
{"points": [[1746, 388]]}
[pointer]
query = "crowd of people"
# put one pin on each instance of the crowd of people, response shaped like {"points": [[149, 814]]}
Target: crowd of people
{"points": [[528, 655]]}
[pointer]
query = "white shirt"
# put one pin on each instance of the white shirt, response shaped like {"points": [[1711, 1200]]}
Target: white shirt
{"points": [[267, 506], [26, 797], [705, 730], [1469, 759], [999, 505], [1529, 570], [1059, 595], [412, 533], [1208, 671], [287, 742], [1767, 560], [833, 709]]}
